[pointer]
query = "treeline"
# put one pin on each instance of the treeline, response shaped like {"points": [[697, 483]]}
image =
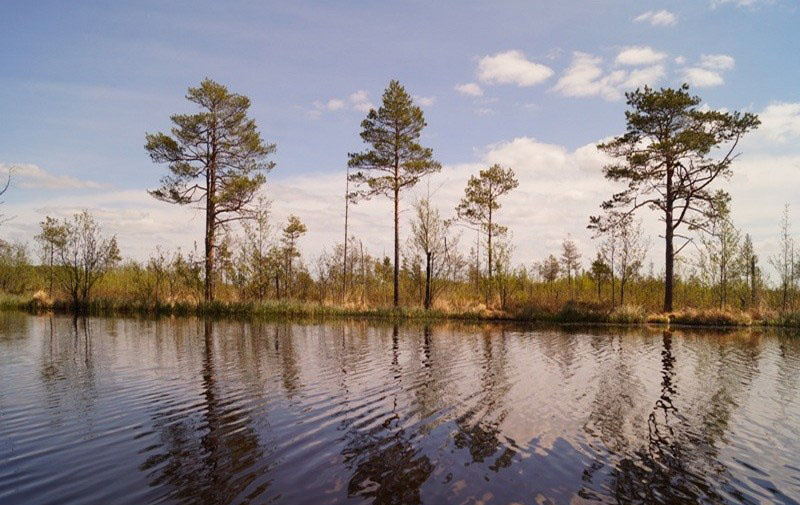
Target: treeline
{"points": [[666, 163]]}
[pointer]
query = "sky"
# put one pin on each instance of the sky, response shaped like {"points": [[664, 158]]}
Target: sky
{"points": [[532, 85]]}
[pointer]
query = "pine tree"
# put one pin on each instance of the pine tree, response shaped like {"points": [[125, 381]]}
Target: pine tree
{"points": [[395, 160], [216, 159], [665, 160]]}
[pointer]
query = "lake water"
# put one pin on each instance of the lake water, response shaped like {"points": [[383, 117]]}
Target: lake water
{"points": [[128, 411]]}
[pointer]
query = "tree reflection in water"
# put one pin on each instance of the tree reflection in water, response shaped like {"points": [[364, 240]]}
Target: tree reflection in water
{"points": [[386, 465], [678, 462], [262, 412], [219, 465]]}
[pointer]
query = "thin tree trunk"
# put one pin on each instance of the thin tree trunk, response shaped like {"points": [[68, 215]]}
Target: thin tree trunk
{"points": [[428, 258], [51, 271], [210, 236], [752, 281], [346, 215], [396, 247], [669, 255]]}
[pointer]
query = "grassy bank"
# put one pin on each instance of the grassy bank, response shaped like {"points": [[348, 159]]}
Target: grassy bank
{"points": [[570, 313]]}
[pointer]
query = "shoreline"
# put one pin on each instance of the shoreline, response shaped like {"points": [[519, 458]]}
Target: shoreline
{"points": [[570, 314]]}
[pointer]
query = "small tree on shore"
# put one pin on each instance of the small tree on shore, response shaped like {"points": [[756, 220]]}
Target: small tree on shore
{"points": [[431, 238], [292, 232], [84, 257], [783, 260], [600, 272], [632, 246], [720, 258], [570, 261], [481, 201], [51, 238]]}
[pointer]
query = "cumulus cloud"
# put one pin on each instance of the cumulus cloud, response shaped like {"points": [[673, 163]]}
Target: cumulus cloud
{"points": [[424, 101], [702, 78], [708, 72], [512, 67], [358, 101], [586, 77], [469, 89], [657, 18], [30, 176], [717, 61], [639, 55], [781, 121], [740, 3]]}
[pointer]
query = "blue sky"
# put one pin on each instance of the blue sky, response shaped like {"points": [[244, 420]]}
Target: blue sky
{"points": [[81, 82]]}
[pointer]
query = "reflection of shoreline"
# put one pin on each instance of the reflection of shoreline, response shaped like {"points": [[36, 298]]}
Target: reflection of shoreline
{"points": [[231, 411]]}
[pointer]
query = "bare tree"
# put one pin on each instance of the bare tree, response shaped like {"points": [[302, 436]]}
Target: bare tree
{"points": [[783, 260], [632, 249], [84, 257], [570, 261], [720, 257], [431, 238]]}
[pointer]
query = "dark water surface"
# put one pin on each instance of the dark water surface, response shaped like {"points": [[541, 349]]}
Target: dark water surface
{"points": [[124, 411]]}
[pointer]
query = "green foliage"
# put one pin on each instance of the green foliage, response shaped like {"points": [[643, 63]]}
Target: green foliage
{"points": [[395, 160], [216, 159], [481, 202], [666, 162], [83, 257]]}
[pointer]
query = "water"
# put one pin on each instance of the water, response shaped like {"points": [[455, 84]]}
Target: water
{"points": [[126, 411]]}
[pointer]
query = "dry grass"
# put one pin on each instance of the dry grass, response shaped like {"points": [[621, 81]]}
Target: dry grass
{"points": [[711, 317]]}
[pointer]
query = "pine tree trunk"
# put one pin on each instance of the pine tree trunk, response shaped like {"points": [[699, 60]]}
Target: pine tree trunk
{"points": [[752, 281], [669, 254], [210, 238], [346, 215], [396, 247]]}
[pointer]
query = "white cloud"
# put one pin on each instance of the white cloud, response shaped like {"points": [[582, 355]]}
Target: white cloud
{"points": [[657, 18], [470, 89], [29, 176], [740, 3], [708, 72], [586, 77], [358, 101], [639, 55], [717, 61], [781, 121], [512, 67], [425, 101], [644, 76], [335, 104], [680, 60], [702, 78]]}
